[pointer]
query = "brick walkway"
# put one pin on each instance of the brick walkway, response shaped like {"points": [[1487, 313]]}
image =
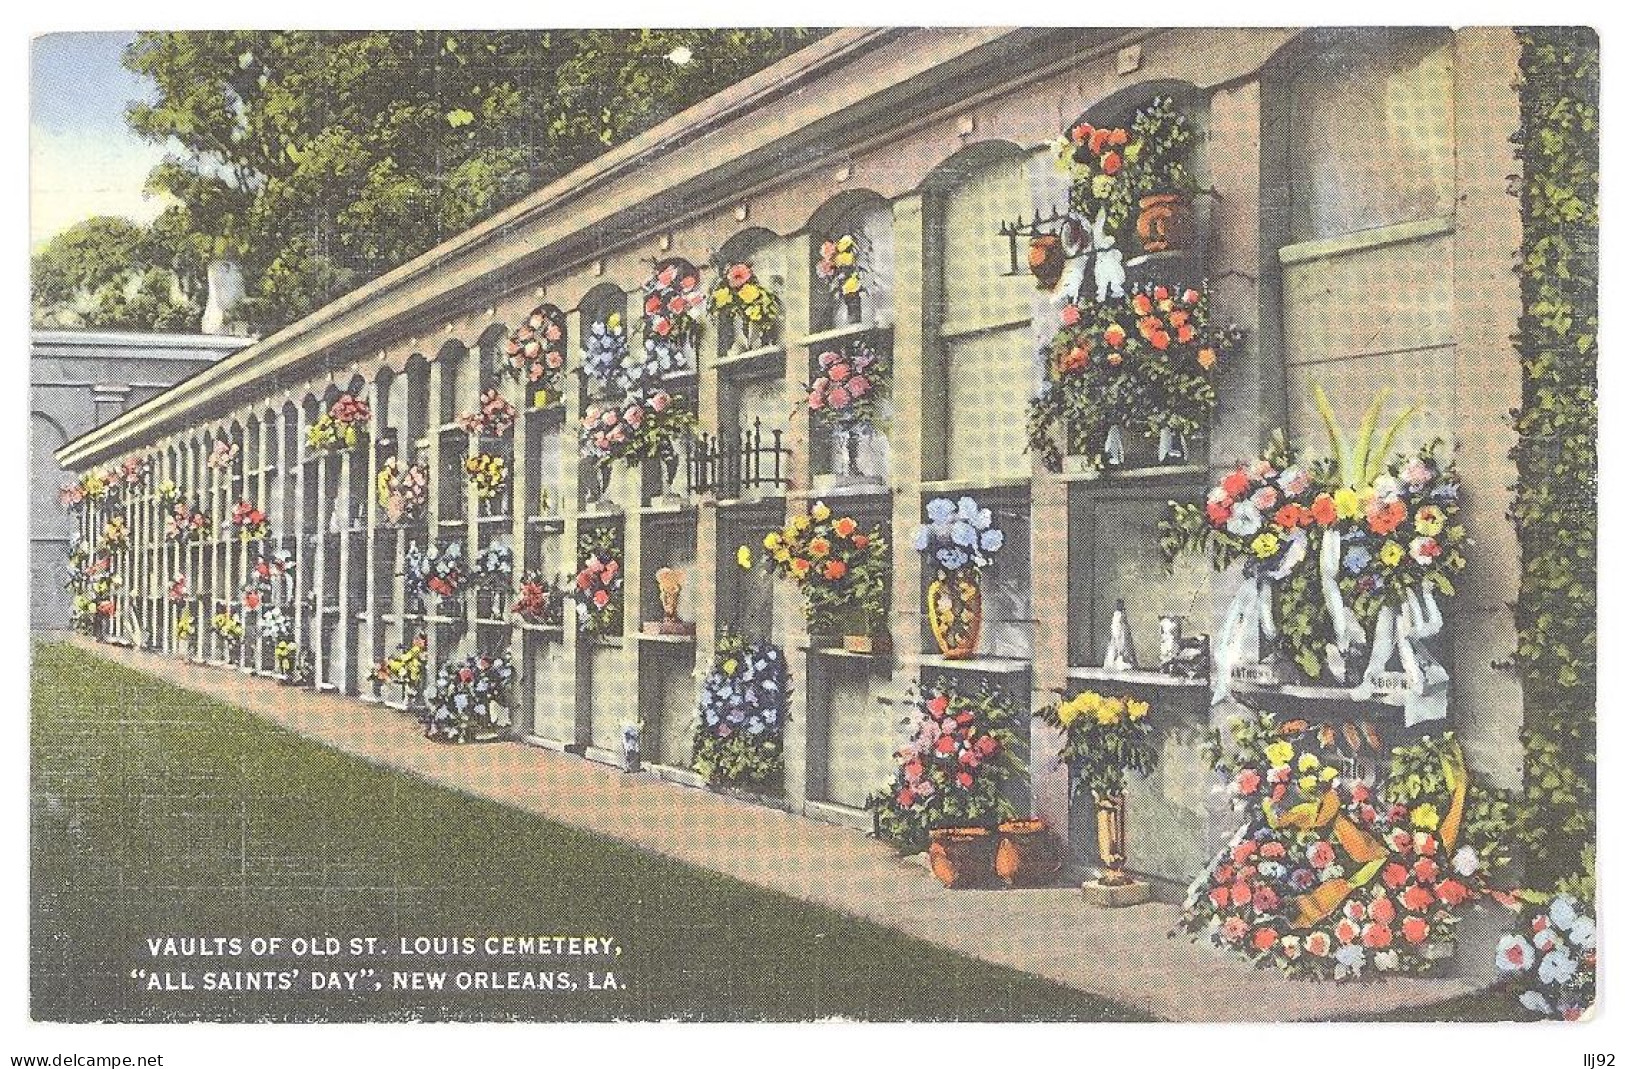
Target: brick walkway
{"points": [[1122, 954]]}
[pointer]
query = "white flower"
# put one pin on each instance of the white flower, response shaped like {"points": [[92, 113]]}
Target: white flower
{"points": [[1583, 933], [1466, 861], [1558, 967], [1562, 911], [682, 55], [1535, 1002], [1386, 487], [1245, 520], [1386, 960]]}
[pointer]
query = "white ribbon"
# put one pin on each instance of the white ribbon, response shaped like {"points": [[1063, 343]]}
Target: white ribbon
{"points": [[1427, 694], [1236, 633]]}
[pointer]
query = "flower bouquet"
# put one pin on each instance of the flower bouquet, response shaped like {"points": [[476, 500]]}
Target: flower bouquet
{"points": [[606, 351], [133, 472], [115, 537], [842, 571], [182, 524], [469, 699], [405, 669], [275, 625], [960, 539], [438, 570], [538, 601], [294, 663], [249, 521], [488, 475], [403, 490], [534, 355], [494, 418], [1140, 169], [672, 301], [952, 770], [1106, 738], [91, 581], [72, 495], [1329, 877], [229, 626], [222, 454], [340, 427], [177, 589], [1554, 959], [840, 268], [740, 298], [185, 627], [743, 704], [598, 583]]}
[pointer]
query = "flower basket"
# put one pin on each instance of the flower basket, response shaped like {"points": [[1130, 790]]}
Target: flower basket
{"points": [[962, 857], [1028, 854]]}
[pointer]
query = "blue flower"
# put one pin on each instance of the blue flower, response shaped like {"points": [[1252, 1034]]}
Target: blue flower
{"points": [[1583, 934], [1558, 967], [951, 559], [964, 534], [922, 539], [1562, 911], [1351, 957], [1356, 560], [940, 510], [1535, 1002], [992, 540]]}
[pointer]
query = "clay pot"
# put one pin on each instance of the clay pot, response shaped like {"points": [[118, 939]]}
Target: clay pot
{"points": [[1028, 855], [1045, 259], [954, 605], [962, 857], [1164, 223]]}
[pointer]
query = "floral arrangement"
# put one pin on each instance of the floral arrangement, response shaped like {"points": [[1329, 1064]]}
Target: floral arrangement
{"points": [[537, 601], [275, 625], [72, 495], [842, 571], [403, 490], [115, 536], [1112, 167], [1144, 363], [1348, 545], [341, 426], [607, 349], [405, 667], [952, 769], [849, 385], [229, 626], [133, 471], [222, 454], [468, 697], [91, 581], [294, 663], [740, 296], [437, 570], [493, 419], [1106, 737], [743, 704], [492, 567], [598, 582], [92, 486], [639, 426], [1329, 877], [177, 588], [838, 266], [958, 535], [169, 495], [534, 354], [185, 626], [182, 524], [487, 474], [672, 301], [249, 521], [1554, 959]]}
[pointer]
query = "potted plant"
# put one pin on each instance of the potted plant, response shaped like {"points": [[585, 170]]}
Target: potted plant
{"points": [[960, 540], [740, 299], [846, 393], [1105, 738], [1160, 177], [842, 571], [950, 778], [840, 266], [743, 705], [533, 355], [468, 700], [1028, 853]]}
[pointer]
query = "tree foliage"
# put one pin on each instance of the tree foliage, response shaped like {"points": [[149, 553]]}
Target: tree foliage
{"points": [[1555, 507], [109, 273], [322, 159]]}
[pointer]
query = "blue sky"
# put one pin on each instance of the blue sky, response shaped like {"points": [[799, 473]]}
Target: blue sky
{"points": [[83, 159]]}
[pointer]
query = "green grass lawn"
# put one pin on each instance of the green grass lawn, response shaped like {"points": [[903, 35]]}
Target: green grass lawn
{"points": [[156, 811]]}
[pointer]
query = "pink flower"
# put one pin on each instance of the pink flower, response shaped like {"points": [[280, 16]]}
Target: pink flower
{"points": [[1321, 854], [839, 398], [659, 401], [1069, 315], [1248, 781], [857, 386], [1318, 943], [738, 275], [1234, 930], [600, 598]]}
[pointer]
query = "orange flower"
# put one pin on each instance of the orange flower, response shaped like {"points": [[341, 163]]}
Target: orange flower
{"points": [[1207, 358], [1111, 163], [1115, 336], [1118, 137], [1142, 304], [845, 526], [800, 566], [1149, 326], [834, 569], [1324, 510], [1187, 333], [1387, 519], [818, 547], [1159, 340], [861, 541], [1114, 359], [1077, 359]]}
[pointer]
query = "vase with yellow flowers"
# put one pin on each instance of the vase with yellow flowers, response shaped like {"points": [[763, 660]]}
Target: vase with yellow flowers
{"points": [[1106, 737]]}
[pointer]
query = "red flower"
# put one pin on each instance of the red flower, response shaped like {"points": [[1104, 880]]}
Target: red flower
{"points": [[905, 797], [1265, 899], [1112, 162], [1426, 869], [1264, 938], [1321, 854], [1234, 929], [946, 745], [1219, 896], [1160, 292], [1382, 911], [1394, 874], [833, 570], [1244, 850], [1069, 315], [1272, 849], [965, 780], [937, 705], [652, 305], [738, 275], [913, 770], [1218, 512], [1248, 781], [1115, 336], [1324, 510], [1241, 893], [600, 598], [1415, 929], [1452, 892], [1235, 484], [1416, 898], [1347, 931], [1377, 936], [1141, 304]]}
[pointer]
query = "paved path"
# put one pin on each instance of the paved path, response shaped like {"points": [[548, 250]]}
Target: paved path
{"points": [[1122, 954]]}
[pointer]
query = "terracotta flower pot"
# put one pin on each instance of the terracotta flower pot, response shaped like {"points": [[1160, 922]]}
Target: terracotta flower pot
{"points": [[962, 857], [1164, 223], [1028, 855], [954, 606], [1045, 259]]}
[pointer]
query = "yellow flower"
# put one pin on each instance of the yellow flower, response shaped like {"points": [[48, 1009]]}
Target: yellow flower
{"points": [[730, 666], [722, 297], [1309, 785], [1266, 545], [1110, 711], [1429, 520], [1327, 774], [614, 321], [1279, 753], [781, 554], [1068, 711], [773, 540], [1425, 817], [1308, 762], [845, 259], [1102, 185], [850, 286], [1348, 503], [743, 556], [1391, 553], [820, 512], [1137, 709], [846, 244], [750, 293], [800, 524]]}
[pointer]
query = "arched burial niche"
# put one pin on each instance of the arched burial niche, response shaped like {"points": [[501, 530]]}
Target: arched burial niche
{"points": [[605, 333], [866, 218]]}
